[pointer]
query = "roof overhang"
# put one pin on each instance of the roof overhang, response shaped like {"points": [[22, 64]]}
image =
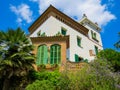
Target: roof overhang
{"points": [[52, 11]]}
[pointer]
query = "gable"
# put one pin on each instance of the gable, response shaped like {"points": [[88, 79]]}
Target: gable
{"points": [[51, 11]]}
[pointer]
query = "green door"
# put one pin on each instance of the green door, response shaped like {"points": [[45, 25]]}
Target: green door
{"points": [[42, 55], [76, 58], [96, 50]]}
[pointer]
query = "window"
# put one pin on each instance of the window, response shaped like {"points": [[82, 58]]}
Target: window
{"points": [[55, 54], [92, 33], [94, 36], [96, 50], [39, 33], [79, 41], [42, 55], [77, 58], [63, 31]]}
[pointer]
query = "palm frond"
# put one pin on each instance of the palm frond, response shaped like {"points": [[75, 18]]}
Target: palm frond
{"points": [[17, 57], [6, 63]]}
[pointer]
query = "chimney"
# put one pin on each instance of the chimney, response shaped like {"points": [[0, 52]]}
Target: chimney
{"points": [[96, 23], [84, 15]]}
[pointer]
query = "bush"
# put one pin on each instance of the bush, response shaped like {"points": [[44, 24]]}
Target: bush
{"points": [[104, 77], [50, 77], [40, 85], [112, 57], [94, 76]]}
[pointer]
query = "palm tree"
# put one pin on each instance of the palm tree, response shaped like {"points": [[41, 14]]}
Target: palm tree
{"points": [[16, 57]]}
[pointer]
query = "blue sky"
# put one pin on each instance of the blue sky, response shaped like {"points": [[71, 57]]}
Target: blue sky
{"points": [[22, 13]]}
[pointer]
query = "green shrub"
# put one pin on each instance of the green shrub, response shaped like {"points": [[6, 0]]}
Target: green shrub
{"points": [[50, 77], [112, 57], [94, 76], [64, 82], [104, 77], [40, 85]]}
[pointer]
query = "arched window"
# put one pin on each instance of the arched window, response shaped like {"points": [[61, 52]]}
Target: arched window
{"points": [[42, 55], [55, 54]]}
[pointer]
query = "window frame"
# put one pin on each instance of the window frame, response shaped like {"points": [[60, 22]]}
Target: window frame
{"points": [[94, 36]]}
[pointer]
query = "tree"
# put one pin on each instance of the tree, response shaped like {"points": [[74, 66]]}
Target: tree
{"points": [[112, 57], [16, 57], [117, 44]]}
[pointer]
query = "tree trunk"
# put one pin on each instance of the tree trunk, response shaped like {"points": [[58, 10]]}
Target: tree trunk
{"points": [[6, 84]]}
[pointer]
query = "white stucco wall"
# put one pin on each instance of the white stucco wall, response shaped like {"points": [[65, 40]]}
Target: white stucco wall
{"points": [[52, 26], [91, 28]]}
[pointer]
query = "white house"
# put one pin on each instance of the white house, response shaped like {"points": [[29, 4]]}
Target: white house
{"points": [[58, 38]]}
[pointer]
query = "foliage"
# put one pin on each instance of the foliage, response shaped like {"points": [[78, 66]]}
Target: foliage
{"points": [[85, 60], [112, 56], [39, 33], [117, 44], [47, 75], [96, 75], [18, 83], [117, 78], [40, 85], [1, 82], [58, 34], [44, 78], [43, 34], [41, 67], [56, 66], [16, 57], [103, 75]]}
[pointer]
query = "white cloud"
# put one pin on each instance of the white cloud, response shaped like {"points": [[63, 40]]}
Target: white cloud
{"points": [[23, 13], [76, 8]]}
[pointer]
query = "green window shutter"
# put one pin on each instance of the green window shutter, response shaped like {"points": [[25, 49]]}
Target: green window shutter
{"points": [[96, 50], [42, 55], [76, 58], [63, 31], [95, 36], [92, 34], [45, 57], [51, 55], [78, 41], [55, 54], [58, 54], [38, 56]]}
